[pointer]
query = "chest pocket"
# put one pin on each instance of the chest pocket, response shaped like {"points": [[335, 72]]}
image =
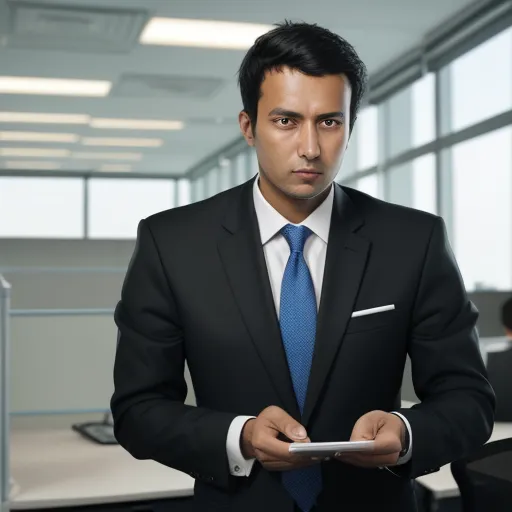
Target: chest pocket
{"points": [[372, 321]]}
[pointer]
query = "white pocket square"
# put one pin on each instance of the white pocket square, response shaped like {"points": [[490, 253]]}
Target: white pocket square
{"points": [[372, 311]]}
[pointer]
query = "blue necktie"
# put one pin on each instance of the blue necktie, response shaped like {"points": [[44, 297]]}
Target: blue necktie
{"points": [[297, 319]]}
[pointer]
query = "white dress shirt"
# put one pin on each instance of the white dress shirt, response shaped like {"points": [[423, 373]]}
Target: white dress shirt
{"points": [[277, 252]]}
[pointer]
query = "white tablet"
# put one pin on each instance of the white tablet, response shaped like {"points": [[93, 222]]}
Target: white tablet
{"points": [[330, 449]]}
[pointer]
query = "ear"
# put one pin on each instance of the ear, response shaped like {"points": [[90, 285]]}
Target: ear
{"points": [[246, 127]]}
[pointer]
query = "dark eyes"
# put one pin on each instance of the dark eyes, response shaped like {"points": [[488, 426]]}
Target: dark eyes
{"points": [[286, 121]]}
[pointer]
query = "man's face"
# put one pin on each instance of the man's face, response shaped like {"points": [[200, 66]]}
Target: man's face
{"points": [[302, 131]]}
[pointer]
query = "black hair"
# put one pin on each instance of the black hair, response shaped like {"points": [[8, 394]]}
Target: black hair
{"points": [[506, 314], [305, 47]]}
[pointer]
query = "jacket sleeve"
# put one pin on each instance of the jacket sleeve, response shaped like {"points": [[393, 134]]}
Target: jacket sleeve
{"points": [[456, 413], [151, 420]]}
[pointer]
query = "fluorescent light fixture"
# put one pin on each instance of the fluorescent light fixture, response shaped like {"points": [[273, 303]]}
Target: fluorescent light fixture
{"points": [[38, 118], [32, 165], [53, 86], [142, 143], [35, 152], [115, 168], [107, 156], [136, 124], [69, 138], [202, 33]]}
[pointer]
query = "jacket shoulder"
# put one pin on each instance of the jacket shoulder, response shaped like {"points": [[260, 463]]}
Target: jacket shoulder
{"points": [[379, 212], [199, 214]]}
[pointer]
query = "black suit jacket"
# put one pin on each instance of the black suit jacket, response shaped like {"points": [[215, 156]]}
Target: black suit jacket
{"points": [[197, 289]]}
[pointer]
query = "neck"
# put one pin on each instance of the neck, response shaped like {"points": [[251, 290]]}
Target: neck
{"points": [[292, 209]]}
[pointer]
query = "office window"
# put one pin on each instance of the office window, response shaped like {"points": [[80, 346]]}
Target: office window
{"points": [[349, 164], [367, 137], [399, 130], [423, 110], [413, 184], [41, 207], [199, 188], [412, 116], [184, 192], [212, 182], [424, 195], [226, 174], [369, 185], [482, 209], [481, 82], [117, 205], [254, 168], [240, 168]]}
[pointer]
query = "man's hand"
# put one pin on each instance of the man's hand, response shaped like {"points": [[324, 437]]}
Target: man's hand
{"points": [[260, 440], [388, 432]]}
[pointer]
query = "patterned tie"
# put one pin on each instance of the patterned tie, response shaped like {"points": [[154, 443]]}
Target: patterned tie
{"points": [[297, 318]]}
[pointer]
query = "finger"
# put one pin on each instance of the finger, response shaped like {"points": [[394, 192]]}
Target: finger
{"points": [[386, 442], [367, 427], [273, 449], [373, 426], [369, 461]]}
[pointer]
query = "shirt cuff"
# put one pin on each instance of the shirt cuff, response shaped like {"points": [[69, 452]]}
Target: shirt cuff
{"points": [[407, 457], [238, 464]]}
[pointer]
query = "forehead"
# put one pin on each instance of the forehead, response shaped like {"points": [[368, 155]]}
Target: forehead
{"points": [[294, 90]]}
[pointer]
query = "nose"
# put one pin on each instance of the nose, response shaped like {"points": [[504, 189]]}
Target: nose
{"points": [[309, 146]]}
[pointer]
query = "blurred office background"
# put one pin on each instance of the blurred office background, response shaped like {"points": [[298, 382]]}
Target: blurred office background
{"points": [[107, 116]]}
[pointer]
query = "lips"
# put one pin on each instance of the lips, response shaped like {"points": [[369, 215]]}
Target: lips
{"points": [[307, 171]]}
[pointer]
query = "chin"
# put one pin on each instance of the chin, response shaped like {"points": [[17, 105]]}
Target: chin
{"points": [[303, 192]]}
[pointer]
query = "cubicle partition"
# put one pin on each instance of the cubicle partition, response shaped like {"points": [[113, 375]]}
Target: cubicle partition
{"points": [[5, 297]]}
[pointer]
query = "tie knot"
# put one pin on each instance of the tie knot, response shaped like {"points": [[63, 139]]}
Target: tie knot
{"points": [[296, 236]]}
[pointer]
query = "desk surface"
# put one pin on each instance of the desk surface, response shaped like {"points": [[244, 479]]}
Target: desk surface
{"points": [[442, 484], [57, 468], [60, 468]]}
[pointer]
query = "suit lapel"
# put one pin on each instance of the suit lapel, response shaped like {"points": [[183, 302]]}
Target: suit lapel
{"points": [[345, 262], [244, 262]]}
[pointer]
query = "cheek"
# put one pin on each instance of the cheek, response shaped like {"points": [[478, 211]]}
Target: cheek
{"points": [[333, 149]]}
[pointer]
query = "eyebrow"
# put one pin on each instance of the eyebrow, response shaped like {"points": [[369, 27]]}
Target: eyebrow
{"points": [[289, 113]]}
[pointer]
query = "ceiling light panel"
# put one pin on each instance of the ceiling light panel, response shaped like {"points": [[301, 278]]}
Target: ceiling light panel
{"points": [[122, 142], [202, 33], [135, 124], [32, 165], [53, 86], [68, 138], [115, 168], [41, 118], [107, 156], [35, 152]]}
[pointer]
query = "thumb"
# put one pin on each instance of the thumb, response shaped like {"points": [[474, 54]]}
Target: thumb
{"points": [[287, 425], [292, 428], [296, 431]]}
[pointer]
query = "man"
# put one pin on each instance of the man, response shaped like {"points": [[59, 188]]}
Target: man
{"points": [[506, 317], [498, 368], [257, 289]]}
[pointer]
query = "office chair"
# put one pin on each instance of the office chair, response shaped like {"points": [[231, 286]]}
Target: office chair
{"points": [[485, 478], [499, 365]]}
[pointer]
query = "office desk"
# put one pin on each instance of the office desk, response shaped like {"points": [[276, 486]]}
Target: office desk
{"points": [[59, 468], [442, 484]]}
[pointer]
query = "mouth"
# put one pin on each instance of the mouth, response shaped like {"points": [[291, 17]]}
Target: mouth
{"points": [[307, 173]]}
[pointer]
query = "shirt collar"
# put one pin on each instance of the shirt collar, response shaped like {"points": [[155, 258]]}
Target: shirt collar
{"points": [[271, 221]]}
